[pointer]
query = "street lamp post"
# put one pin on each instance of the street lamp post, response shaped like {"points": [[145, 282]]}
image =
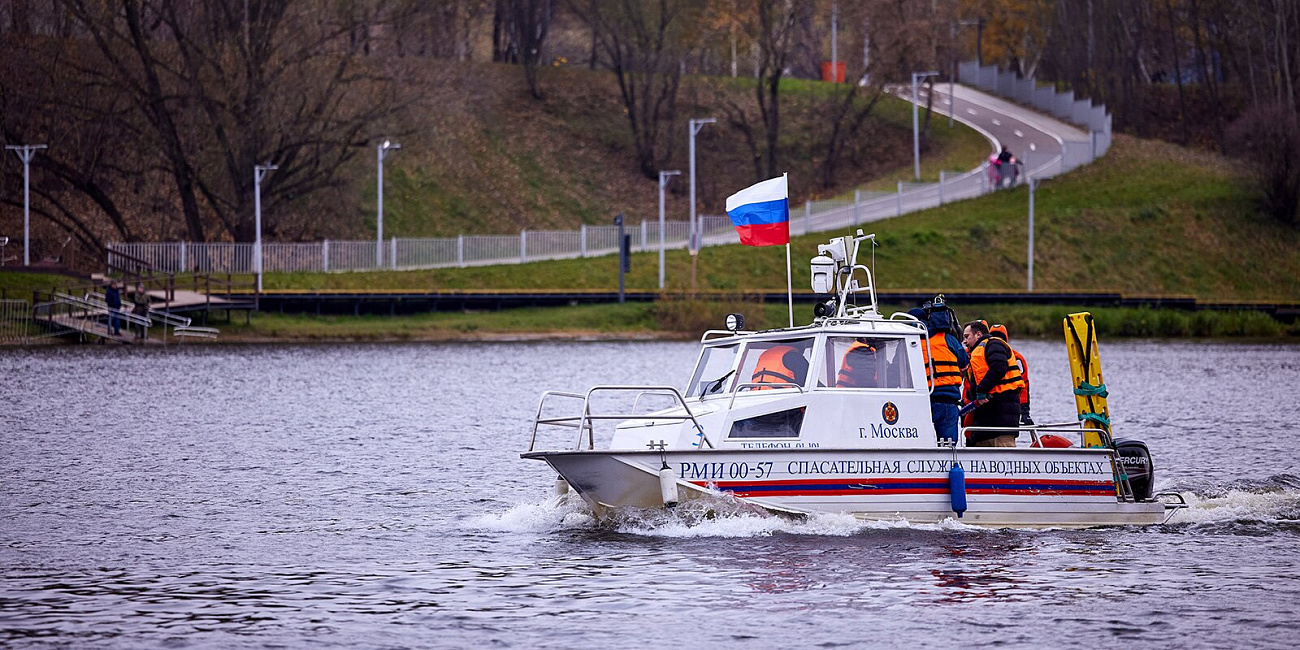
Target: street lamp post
{"points": [[383, 150], [835, 51], [696, 125], [916, 126], [25, 153], [259, 172], [664, 178]]}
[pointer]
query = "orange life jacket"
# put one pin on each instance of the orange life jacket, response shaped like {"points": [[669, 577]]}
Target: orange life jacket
{"points": [[858, 370], [1024, 374], [772, 367], [1020, 359], [979, 367], [946, 371]]}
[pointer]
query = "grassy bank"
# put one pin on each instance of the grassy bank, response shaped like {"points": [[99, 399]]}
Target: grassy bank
{"points": [[1149, 218], [688, 319], [19, 286]]}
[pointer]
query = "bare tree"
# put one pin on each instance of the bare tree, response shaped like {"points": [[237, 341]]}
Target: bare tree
{"points": [[217, 91], [771, 27], [641, 42], [520, 28], [1268, 141], [436, 28]]}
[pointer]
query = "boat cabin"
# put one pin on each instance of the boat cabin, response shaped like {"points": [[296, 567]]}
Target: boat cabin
{"points": [[851, 379], [858, 384]]}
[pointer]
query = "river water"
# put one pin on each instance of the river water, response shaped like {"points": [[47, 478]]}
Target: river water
{"points": [[372, 496]]}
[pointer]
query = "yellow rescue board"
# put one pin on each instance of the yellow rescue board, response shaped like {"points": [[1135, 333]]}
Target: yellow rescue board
{"points": [[1085, 374]]}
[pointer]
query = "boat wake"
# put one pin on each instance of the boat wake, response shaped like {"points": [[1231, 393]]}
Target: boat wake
{"points": [[1248, 505], [1271, 501], [716, 516]]}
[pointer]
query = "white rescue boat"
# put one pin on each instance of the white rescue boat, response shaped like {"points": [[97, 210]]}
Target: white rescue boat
{"points": [[809, 444]]}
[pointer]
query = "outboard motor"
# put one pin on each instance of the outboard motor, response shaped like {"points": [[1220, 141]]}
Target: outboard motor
{"points": [[1135, 458]]}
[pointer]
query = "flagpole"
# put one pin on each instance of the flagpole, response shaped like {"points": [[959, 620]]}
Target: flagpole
{"points": [[789, 283], [789, 279]]}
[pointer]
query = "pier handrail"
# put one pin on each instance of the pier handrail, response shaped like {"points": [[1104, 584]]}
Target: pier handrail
{"points": [[168, 318], [95, 304], [181, 325]]}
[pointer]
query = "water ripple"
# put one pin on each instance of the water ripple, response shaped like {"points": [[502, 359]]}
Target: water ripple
{"points": [[372, 496]]}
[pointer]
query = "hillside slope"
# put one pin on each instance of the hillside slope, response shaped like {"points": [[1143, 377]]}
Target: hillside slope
{"points": [[482, 157], [1148, 218]]}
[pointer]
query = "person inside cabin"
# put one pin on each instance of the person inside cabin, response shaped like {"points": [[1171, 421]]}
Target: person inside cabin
{"points": [[1025, 420], [781, 364], [945, 361], [996, 383], [859, 369]]}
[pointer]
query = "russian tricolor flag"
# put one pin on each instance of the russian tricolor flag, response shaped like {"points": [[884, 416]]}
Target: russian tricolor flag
{"points": [[761, 213]]}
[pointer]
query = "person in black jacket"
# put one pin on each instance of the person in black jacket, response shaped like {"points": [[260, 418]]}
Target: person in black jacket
{"points": [[113, 297], [997, 382]]}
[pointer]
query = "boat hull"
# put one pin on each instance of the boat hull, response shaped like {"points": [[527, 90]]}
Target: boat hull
{"points": [[1005, 487]]}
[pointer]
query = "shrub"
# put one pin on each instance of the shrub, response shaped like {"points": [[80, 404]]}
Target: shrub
{"points": [[1206, 324], [1268, 141], [1173, 323], [695, 315]]}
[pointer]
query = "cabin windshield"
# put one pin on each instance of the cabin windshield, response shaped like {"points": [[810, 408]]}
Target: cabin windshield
{"points": [[713, 371], [866, 362], [781, 363]]}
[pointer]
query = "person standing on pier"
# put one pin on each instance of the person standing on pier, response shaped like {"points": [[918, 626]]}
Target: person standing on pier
{"points": [[113, 298], [140, 307]]}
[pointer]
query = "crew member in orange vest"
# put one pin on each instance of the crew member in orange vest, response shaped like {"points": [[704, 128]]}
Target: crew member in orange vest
{"points": [[781, 364], [945, 360], [858, 369], [996, 383], [969, 340], [1025, 420]]}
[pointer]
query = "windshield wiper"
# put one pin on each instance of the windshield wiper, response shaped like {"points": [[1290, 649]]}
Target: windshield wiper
{"points": [[716, 385]]}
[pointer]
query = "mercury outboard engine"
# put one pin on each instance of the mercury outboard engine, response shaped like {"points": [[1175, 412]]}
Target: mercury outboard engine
{"points": [[1135, 458]]}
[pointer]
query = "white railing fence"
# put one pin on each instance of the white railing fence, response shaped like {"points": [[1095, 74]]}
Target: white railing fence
{"points": [[15, 320], [537, 245]]}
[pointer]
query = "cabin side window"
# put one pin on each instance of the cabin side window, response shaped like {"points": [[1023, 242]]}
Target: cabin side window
{"points": [[866, 362], [782, 424], [766, 365], [713, 370]]}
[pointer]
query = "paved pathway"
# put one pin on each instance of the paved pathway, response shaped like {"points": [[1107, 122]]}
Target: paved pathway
{"points": [[1035, 138]]}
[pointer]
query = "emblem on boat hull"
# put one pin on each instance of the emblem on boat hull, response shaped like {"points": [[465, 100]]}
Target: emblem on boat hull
{"points": [[890, 413]]}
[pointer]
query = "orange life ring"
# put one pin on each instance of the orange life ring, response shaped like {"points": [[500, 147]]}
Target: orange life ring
{"points": [[1052, 442]]}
